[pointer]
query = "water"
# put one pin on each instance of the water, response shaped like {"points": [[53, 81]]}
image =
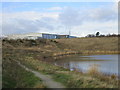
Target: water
{"points": [[106, 63]]}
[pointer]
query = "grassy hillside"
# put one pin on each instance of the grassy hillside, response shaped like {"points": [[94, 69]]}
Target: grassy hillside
{"points": [[96, 43], [32, 53]]}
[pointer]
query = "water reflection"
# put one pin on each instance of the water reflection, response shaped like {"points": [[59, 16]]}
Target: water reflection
{"points": [[106, 63]]}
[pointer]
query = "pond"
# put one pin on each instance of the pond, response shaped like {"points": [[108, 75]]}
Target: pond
{"points": [[107, 64]]}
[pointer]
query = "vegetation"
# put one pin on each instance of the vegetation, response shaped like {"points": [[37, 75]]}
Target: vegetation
{"points": [[104, 45], [72, 79], [36, 54], [97, 34], [14, 76], [93, 70], [102, 35], [56, 47]]}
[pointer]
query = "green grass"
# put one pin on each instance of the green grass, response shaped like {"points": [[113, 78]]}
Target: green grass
{"points": [[63, 78], [14, 76]]}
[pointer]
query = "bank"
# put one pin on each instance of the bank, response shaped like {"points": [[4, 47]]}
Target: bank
{"points": [[33, 56]]}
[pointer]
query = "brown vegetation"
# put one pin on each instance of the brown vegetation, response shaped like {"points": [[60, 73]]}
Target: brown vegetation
{"points": [[32, 53]]}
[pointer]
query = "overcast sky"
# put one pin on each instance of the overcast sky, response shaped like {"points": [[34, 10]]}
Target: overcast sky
{"points": [[81, 18]]}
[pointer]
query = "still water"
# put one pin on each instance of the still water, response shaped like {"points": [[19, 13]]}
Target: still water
{"points": [[106, 63]]}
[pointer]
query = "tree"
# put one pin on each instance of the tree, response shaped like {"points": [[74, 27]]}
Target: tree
{"points": [[90, 35], [98, 33]]}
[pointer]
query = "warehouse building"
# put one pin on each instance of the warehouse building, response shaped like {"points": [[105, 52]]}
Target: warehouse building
{"points": [[49, 36], [62, 36], [25, 36], [38, 36]]}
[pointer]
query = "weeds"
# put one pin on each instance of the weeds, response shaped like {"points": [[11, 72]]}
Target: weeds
{"points": [[14, 76], [93, 70], [34, 55]]}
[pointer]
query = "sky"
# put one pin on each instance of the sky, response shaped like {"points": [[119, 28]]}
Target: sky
{"points": [[80, 18]]}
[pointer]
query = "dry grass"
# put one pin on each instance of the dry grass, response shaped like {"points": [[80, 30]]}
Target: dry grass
{"points": [[93, 70], [73, 79], [30, 56], [96, 45], [113, 76], [39, 85], [91, 44]]}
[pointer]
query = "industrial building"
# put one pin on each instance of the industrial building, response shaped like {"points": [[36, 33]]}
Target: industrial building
{"points": [[38, 36], [62, 36], [25, 36], [49, 36]]}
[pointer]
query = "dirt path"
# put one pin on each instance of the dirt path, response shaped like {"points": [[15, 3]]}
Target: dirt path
{"points": [[47, 80]]}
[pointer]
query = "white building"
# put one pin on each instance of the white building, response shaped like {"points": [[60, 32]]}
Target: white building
{"points": [[38, 35], [25, 36]]}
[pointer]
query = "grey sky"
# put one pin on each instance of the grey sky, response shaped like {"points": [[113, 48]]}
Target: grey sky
{"points": [[81, 19]]}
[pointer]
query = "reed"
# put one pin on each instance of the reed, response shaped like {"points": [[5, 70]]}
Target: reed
{"points": [[93, 70]]}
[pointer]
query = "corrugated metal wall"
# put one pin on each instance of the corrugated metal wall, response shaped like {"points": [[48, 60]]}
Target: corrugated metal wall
{"points": [[55, 36], [38, 36], [62, 36], [49, 36]]}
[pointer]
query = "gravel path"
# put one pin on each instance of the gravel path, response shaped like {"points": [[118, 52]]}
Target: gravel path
{"points": [[47, 79]]}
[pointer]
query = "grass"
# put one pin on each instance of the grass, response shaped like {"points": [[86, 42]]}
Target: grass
{"points": [[14, 76], [93, 70], [56, 47], [38, 55], [61, 77], [96, 44], [71, 79]]}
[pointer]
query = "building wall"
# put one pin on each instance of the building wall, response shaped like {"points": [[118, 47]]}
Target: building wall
{"points": [[32, 37], [38, 36], [25, 36], [49, 36], [62, 36], [72, 37]]}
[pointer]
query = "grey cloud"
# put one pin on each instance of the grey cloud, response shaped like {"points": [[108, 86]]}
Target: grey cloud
{"points": [[46, 23], [75, 17], [102, 14], [70, 17], [18, 26], [25, 26]]}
